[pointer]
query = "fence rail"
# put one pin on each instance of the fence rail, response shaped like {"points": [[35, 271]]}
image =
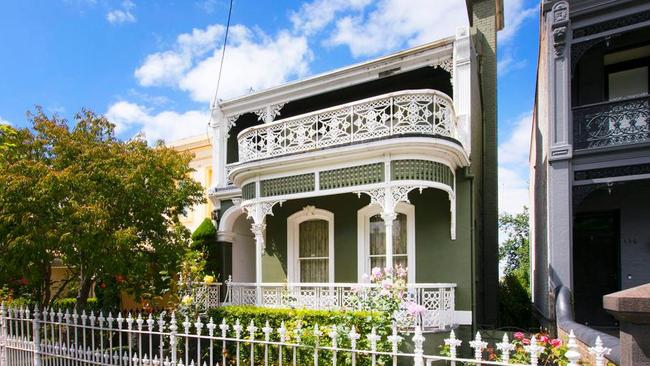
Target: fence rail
{"points": [[55, 338]]}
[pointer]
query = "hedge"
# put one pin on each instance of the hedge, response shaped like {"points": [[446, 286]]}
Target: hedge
{"points": [[362, 321]]}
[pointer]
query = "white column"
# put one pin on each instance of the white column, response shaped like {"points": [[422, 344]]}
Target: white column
{"points": [[389, 218], [258, 229], [462, 81], [219, 130]]}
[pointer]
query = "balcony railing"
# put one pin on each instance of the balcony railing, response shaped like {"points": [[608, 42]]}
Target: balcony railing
{"points": [[421, 112], [437, 298], [612, 123]]}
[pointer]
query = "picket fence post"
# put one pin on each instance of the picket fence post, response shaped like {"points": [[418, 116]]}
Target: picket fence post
{"points": [[37, 337], [3, 334]]}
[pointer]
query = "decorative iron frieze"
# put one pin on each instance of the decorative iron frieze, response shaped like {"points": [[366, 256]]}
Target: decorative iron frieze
{"points": [[607, 25], [615, 171], [413, 169], [352, 176], [287, 185], [612, 124]]}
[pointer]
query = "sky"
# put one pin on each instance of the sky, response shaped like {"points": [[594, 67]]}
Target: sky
{"points": [[151, 66]]}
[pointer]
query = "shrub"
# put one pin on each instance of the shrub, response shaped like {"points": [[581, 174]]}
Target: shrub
{"points": [[204, 239], [515, 307], [306, 320]]}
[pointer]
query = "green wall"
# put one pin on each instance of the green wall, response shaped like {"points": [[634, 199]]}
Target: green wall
{"points": [[437, 257]]}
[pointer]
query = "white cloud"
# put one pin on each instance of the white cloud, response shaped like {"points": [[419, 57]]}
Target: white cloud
{"points": [[166, 125], [4, 121], [392, 23], [515, 14], [508, 63], [253, 60], [123, 14], [314, 16], [513, 166]]}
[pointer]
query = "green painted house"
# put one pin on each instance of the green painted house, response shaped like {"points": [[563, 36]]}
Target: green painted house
{"points": [[384, 163]]}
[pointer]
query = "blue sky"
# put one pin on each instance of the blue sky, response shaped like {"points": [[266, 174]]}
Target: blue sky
{"points": [[151, 65]]}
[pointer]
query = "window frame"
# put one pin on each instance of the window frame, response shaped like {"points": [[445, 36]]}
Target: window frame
{"points": [[363, 237], [308, 213], [625, 66]]}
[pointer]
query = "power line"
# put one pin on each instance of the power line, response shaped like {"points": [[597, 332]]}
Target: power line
{"points": [[223, 54]]}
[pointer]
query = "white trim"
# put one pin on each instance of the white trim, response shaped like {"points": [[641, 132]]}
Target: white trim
{"points": [[363, 237], [429, 54], [293, 223], [463, 317], [229, 217]]}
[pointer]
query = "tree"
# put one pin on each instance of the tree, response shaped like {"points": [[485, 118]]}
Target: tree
{"points": [[514, 252], [108, 208]]}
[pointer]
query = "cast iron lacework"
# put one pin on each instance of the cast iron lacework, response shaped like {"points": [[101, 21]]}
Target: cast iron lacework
{"points": [[612, 123], [425, 112], [616, 171], [422, 170], [352, 176], [611, 24], [287, 185], [248, 191]]}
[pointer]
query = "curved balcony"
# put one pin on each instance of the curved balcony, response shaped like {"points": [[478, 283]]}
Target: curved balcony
{"points": [[410, 112]]}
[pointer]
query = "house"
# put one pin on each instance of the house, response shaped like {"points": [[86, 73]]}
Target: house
{"points": [[200, 147], [387, 162], [590, 160]]}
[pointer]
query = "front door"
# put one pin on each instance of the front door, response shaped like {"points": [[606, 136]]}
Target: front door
{"points": [[596, 265]]}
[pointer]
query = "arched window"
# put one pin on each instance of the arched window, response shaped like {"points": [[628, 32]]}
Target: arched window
{"points": [[310, 246], [371, 239]]}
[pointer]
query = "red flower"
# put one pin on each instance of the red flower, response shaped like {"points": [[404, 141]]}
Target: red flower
{"points": [[519, 335], [23, 281], [525, 341], [102, 284], [556, 342]]}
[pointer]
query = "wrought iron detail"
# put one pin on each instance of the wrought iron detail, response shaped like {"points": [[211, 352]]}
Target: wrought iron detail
{"points": [[611, 24], [287, 185], [248, 191], [579, 49], [352, 176], [612, 123], [413, 169], [616, 171], [423, 112]]}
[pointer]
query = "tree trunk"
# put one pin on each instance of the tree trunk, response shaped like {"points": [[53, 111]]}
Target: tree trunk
{"points": [[85, 284], [47, 290]]}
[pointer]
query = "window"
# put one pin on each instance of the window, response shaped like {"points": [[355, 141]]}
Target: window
{"points": [[371, 239], [310, 246], [627, 72], [313, 254], [377, 232]]}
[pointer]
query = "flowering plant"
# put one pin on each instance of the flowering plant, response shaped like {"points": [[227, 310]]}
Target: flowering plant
{"points": [[388, 295]]}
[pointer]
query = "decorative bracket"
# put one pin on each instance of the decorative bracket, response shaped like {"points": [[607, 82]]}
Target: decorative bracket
{"points": [[268, 113], [258, 211]]}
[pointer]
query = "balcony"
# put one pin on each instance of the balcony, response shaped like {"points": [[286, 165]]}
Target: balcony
{"points": [[614, 123], [405, 113], [437, 298]]}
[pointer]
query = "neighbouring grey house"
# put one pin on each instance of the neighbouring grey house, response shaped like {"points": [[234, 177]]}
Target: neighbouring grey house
{"points": [[390, 161], [590, 160]]}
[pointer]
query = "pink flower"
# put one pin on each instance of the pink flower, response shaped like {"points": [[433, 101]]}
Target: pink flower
{"points": [[543, 339], [376, 272], [388, 270], [519, 335], [415, 309], [365, 277], [525, 341], [387, 284], [556, 342]]}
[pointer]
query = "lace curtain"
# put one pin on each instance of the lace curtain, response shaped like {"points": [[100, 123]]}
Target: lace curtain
{"points": [[313, 256], [378, 241]]}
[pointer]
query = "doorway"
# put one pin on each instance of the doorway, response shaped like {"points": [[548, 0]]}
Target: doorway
{"points": [[596, 265]]}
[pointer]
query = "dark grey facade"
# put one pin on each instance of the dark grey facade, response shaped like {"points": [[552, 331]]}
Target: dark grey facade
{"points": [[590, 156]]}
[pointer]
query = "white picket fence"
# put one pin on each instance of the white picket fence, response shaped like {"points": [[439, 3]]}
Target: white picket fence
{"points": [[67, 338]]}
